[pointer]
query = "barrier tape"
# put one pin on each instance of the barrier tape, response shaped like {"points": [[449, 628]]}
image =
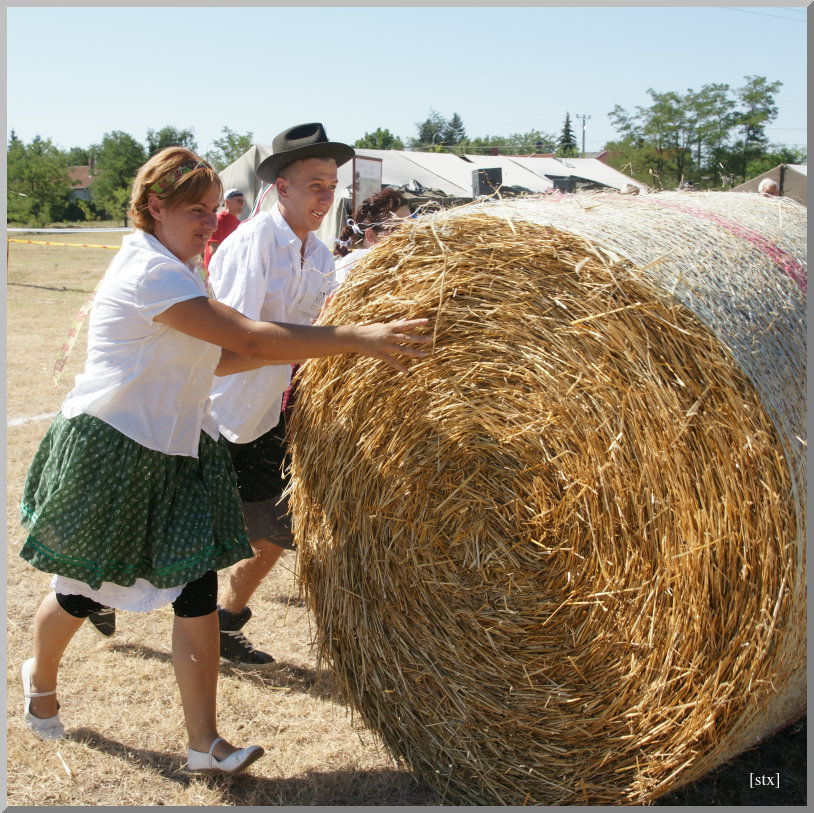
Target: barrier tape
{"points": [[73, 334], [32, 230], [51, 243]]}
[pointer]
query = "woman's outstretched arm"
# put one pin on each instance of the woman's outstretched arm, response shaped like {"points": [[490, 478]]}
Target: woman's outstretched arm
{"points": [[249, 344]]}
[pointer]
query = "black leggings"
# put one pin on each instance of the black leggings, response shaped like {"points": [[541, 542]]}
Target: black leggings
{"points": [[196, 599]]}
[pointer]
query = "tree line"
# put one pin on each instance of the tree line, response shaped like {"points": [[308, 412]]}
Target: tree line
{"points": [[39, 185], [713, 138]]}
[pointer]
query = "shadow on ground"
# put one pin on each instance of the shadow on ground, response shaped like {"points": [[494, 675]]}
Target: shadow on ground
{"points": [[781, 760], [773, 773], [279, 675], [375, 787]]}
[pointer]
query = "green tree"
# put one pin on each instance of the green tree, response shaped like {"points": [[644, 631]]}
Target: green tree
{"points": [[710, 137], [437, 134], [118, 158], [453, 132], [229, 147], [757, 108], [38, 187], [78, 157], [632, 156], [666, 129], [379, 140], [534, 141], [713, 110], [17, 202], [170, 137], [430, 133], [774, 156], [567, 142]]}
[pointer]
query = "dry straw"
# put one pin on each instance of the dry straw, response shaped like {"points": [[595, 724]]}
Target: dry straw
{"points": [[562, 561]]}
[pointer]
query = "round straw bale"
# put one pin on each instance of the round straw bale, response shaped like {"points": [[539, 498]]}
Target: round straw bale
{"points": [[562, 560]]}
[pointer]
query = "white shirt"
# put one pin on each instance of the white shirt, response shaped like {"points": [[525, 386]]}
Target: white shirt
{"points": [[148, 380], [258, 270], [344, 264]]}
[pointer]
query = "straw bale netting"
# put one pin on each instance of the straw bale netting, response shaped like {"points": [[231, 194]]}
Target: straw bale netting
{"points": [[563, 559]]}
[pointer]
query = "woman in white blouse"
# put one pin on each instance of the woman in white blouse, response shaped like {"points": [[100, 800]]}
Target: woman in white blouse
{"points": [[131, 500]]}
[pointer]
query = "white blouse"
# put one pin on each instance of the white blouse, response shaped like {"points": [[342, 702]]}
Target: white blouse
{"points": [[344, 264], [145, 379]]}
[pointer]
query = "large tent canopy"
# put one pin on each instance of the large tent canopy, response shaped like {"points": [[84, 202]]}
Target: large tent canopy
{"points": [[443, 174], [791, 178]]}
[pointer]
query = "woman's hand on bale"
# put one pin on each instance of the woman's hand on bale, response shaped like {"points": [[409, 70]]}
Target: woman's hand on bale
{"points": [[387, 340]]}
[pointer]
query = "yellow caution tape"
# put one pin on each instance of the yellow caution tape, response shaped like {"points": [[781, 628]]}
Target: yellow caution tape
{"points": [[50, 243]]}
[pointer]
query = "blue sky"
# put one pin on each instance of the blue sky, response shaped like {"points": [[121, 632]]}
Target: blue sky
{"points": [[77, 73]]}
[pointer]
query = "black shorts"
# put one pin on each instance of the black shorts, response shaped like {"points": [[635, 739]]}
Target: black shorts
{"points": [[259, 466]]}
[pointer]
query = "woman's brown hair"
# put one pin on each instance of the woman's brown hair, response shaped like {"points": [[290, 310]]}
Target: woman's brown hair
{"points": [[174, 174]]}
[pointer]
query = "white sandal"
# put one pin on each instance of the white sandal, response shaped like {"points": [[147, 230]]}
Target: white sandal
{"points": [[46, 728], [234, 763]]}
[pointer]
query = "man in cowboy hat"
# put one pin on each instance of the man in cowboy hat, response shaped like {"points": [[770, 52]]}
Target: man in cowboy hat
{"points": [[272, 268]]}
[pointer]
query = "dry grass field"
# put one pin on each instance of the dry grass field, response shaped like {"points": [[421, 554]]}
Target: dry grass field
{"points": [[120, 704]]}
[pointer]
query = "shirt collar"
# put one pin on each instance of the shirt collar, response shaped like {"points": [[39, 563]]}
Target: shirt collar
{"points": [[143, 239], [286, 237]]}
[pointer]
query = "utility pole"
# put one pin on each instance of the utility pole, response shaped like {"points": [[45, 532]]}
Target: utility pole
{"points": [[584, 118]]}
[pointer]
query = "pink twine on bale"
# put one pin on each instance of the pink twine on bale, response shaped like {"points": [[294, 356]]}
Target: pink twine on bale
{"points": [[793, 268]]}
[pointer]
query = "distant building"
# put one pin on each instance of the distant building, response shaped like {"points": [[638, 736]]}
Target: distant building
{"points": [[82, 178]]}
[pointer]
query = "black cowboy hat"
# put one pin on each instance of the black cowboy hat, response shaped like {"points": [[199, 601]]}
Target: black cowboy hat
{"points": [[302, 141]]}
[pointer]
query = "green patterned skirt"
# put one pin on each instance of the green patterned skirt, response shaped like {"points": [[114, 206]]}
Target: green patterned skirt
{"points": [[99, 507]]}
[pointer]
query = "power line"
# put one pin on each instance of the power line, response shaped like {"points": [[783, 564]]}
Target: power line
{"points": [[763, 14], [584, 118]]}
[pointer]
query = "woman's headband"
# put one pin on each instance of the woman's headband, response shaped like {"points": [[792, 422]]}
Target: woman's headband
{"points": [[162, 185]]}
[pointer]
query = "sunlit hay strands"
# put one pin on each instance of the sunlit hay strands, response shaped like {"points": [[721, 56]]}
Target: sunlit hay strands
{"points": [[562, 560]]}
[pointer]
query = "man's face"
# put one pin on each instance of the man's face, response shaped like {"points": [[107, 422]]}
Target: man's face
{"points": [[234, 205], [306, 194]]}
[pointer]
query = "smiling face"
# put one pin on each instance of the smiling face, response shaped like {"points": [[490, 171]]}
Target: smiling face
{"points": [[185, 227], [305, 193]]}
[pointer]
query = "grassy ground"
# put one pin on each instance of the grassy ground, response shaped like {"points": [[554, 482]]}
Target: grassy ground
{"points": [[119, 698]]}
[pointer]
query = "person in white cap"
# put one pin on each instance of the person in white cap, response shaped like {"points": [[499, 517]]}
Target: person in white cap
{"points": [[233, 202]]}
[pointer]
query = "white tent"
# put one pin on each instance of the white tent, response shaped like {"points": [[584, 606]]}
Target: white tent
{"points": [[589, 170], [791, 178], [449, 174]]}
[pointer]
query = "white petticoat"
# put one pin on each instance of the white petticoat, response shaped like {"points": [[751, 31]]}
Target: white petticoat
{"points": [[141, 597]]}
